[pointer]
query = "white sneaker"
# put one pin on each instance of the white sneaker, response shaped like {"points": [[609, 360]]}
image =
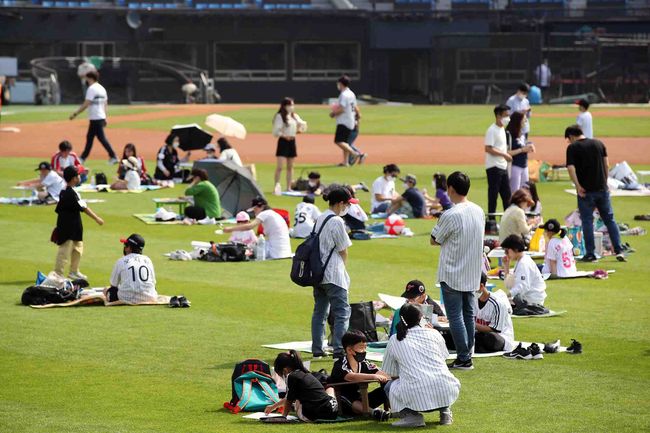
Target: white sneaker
{"points": [[278, 189], [410, 420], [446, 417], [112, 161], [77, 276], [207, 221]]}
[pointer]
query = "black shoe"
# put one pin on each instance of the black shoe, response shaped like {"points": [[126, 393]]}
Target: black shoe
{"points": [[519, 353], [461, 365], [184, 303], [621, 257], [174, 302], [589, 258], [575, 348], [552, 347], [380, 415], [535, 352]]}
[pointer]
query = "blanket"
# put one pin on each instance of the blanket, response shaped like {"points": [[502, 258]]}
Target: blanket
{"points": [[578, 274], [96, 296], [294, 193], [645, 192], [29, 201], [551, 313], [106, 188], [149, 218]]}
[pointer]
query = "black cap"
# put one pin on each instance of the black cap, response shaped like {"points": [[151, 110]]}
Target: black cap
{"points": [[514, 242], [69, 173], [414, 288], [583, 103], [44, 166], [551, 225], [134, 240]]}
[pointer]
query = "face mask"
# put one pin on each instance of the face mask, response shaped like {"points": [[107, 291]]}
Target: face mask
{"points": [[406, 185], [345, 211], [176, 144], [359, 356], [505, 121], [390, 178], [290, 108], [124, 252], [313, 183]]}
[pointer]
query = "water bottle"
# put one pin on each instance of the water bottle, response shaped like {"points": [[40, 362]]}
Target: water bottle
{"points": [[92, 180], [260, 252]]}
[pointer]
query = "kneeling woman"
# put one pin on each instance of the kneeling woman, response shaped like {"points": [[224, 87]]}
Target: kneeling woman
{"points": [[417, 355], [206, 197], [311, 399]]}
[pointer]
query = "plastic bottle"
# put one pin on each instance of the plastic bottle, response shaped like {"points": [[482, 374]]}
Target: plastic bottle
{"points": [[260, 251]]}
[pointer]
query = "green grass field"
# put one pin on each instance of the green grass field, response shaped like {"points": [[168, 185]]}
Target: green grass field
{"points": [[465, 120], [153, 369]]}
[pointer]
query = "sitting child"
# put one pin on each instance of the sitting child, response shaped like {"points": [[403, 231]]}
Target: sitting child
{"points": [[441, 202], [526, 285], [494, 330], [558, 260], [132, 178], [247, 236], [312, 401], [305, 217], [354, 367], [415, 293]]}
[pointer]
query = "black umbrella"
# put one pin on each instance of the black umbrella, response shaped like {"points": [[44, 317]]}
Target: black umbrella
{"points": [[235, 185], [191, 137]]}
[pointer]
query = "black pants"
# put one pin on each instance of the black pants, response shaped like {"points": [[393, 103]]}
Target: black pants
{"points": [[195, 212], [112, 294], [488, 342], [96, 129], [498, 185]]}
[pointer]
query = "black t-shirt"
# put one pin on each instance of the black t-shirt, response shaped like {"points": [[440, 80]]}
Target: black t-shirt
{"points": [[521, 159], [305, 388], [169, 160], [587, 157], [415, 198], [68, 221], [341, 369]]}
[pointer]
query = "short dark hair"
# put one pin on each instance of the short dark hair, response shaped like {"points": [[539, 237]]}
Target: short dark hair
{"points": [[573, 131], [460, 182], [223, 144], [351, 338], [170, 139], [69, 173], [583, 103], [391, 168], [201, 173], [345, 80], [309, 198], [313, 175], [337, 195], [514, 242], [260, 201], [93, 75], [523, 87], [500, 109], [65, 145]]}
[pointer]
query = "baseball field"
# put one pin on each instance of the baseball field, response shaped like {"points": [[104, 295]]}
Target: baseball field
{"points": [[151, 369]]}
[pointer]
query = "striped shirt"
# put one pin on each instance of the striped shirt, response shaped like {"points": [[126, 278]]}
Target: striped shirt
{"points": [[333, 236], [495, 313], [425, 382], [134, 277], [460, 235]]}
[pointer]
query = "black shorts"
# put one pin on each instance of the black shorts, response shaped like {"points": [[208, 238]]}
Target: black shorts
{"points": [[112, 294], [286, 148], [342, 134], [328, 410]]}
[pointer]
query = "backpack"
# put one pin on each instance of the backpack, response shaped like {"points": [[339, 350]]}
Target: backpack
{"points": [[42, 295], [226, 252], [252, 387], [100, 179], [306, 267]]}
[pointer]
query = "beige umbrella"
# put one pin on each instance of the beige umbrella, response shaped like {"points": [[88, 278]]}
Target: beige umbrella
{"points": [[226, 126]]}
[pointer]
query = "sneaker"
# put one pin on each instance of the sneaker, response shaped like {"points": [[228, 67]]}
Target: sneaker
{"points": [[519, 353], [184, 303], [363, 186], [77, 276], [461, 365], [589, 258], [552, 347], [362, 158], [535, 351], [410, 420], [278, 189], [112, 161], [174, 303], [82, 160], [380, 415], [446, 417], [575, 348], [207, 221], [621, 257]]}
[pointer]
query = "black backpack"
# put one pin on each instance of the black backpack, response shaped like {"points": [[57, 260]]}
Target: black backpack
{"points": [[226, 252], [245, 366], [42, 295], [307, 268], [100, 179]]}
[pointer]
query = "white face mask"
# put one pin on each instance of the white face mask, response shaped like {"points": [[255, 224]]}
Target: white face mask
{"points": [[406, 185], [313, 183], [390, 178], [345, 211], [175, 144], [505, 121], [289, 108]]}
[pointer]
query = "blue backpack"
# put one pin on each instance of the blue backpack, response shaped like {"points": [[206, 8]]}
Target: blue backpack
{"points": [[307, 268], [253, 387]]}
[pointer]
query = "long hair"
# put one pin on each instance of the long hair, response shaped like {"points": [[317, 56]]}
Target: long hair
{"points": [[223, 144], [441, 181], [532, 189], [290, 360], [409, 316], [514, 127], [283, 109], [131, 147]]}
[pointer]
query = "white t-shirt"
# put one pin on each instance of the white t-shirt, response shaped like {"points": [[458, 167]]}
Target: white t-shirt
{"points": [[246, 237], [528, 282], [276, 232], [357, 212], [293, 126], [496, 137], [334, 236], [584, 121], [98, 98], [347, 101], [383, 187], [54, 184], [230, 155], [305, 217], [134, 277], [521, 105], [496, 314], [560, 250], [132, 180]]}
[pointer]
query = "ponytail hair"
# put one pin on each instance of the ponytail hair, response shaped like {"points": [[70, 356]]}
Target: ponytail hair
{"points": [[409, 316], [563, 233], [289, 360]]}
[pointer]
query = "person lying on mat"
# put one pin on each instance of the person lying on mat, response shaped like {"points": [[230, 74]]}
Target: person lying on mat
{"points": [[354, 367], [278, 245], [206, 197], [494, 330], [312, 401], [416, 355], [526, 285], [133, 279], [415, 293], [558, 260]]}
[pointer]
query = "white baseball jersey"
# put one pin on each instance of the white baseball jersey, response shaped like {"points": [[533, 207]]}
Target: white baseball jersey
{"points": [[528, 282], [585, 122], [347, 101], [98, 98], [560, 250], [134, 277], [305, 217], [496, 314]]}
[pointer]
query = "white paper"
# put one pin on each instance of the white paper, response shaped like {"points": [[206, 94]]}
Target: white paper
{"points": [[393, 302]]}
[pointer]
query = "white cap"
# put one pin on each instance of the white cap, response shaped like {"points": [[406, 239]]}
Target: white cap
{"points": [[242, 217]]}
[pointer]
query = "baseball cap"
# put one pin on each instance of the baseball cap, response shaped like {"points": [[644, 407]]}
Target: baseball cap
{"points": [[410, 178], [551, 225], [135, 240], [44, 166], [131, 162], [209, 146], [414, 288], [242, 216], [582, 102]]}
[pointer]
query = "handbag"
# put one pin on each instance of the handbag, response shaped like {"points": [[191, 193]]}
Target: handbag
{"points": [[363, 319]]}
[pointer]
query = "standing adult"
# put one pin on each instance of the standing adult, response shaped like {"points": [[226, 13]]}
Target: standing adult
{"points": [[333, 290], [587, 163], [459, 232], [543, 75], [97, 103], [584, 119], [344, 112], [206, 197], [519, 151], [286, 125], [69, 228], [497, 158], [518, 103]]}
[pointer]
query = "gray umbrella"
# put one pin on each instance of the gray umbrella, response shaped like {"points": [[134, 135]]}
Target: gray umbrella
{"points": [[235, 185]]}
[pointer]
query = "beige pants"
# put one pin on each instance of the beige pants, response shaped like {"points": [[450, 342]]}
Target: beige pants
{"points": [[69, 250]]}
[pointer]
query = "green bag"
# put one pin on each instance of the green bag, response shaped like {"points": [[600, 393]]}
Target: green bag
{"points": [[256, 391]]}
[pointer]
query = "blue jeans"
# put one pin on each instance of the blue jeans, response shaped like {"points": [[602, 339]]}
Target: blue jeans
{"points": [[460, 312], [599, 200], [324, 296]]}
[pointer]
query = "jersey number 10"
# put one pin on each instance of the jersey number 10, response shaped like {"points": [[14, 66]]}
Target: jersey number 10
{"points": [[143, 273]]}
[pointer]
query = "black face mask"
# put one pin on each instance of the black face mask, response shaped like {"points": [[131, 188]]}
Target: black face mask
{"points": [[359, 356]]}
